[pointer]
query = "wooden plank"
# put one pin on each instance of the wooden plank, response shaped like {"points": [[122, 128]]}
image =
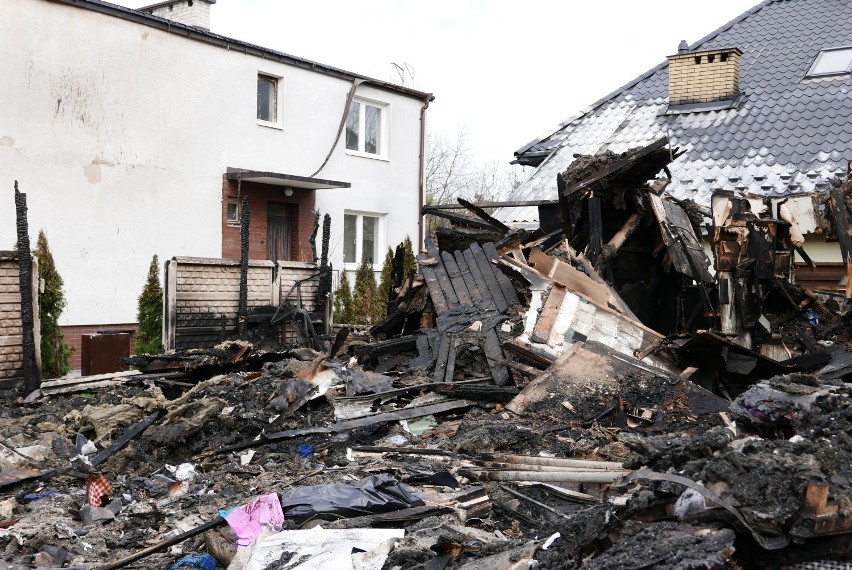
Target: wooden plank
{"points": [[125, 438], [485, 216], [456, 279], [494, 356], [469, 282], [479, 280], [451, 362], [445, 283], [441, 358], [574, 279], [488, 273], [541, 331], [403, 414], [67, 380], [435, 290], [505, 283]]}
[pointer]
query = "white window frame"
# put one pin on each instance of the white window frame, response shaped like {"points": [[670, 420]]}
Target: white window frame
{"points": [[359, 238], [812, 74], [384, 137], [279, 100]]}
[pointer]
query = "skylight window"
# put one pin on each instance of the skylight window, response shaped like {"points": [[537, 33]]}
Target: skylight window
{"points": [[832, 62]]}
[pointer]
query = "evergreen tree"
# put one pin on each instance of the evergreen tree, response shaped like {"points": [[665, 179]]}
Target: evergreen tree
{"points": [[343, 301], [149, 313], [365, 292], [410, 263], [380, 307], [55, 353]]}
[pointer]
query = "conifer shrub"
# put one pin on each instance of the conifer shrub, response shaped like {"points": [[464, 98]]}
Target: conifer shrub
{"points": [[149, 313], [364, 296], [55, 353], [380, 307], [343, 301]]}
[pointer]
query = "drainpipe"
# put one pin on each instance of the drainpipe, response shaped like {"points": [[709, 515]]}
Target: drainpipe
{"points": [[422, 182]]}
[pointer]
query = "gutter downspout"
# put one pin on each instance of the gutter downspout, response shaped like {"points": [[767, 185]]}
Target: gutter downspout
{"points": [[421, 181]]}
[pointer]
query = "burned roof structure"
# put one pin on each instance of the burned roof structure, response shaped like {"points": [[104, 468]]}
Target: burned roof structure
{"points": [[776, 122]]}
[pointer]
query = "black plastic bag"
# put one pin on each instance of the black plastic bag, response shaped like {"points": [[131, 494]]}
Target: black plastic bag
{"points": [[368, 496]]}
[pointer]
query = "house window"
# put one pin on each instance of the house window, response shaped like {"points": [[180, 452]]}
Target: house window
{"points": [[233, 212], [366, 127], [361, 234], [832, 62], [267, 98]]}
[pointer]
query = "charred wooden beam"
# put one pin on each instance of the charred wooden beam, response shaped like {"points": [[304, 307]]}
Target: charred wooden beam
{"points": [[32, 375], [485, 216]]}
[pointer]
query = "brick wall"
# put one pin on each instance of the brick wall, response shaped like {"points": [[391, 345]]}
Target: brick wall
{"points": [[702, 77], [302, 204], [11, 326], [189, 12], [203, 298], [73, 337]]}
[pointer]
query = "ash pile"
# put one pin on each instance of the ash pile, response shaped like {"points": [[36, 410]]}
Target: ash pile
{"points": [[585, 394]]}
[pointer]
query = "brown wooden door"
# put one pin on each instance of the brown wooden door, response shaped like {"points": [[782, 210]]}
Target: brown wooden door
{"points": [[278, 230]]}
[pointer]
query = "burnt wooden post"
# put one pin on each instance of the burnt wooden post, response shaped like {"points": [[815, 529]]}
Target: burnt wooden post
{"points": [[32, 375], [325, 268], [313, 239], [242, 310]]}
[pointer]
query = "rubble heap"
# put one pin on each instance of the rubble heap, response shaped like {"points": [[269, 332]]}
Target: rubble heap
{"points": [[588, 394]]}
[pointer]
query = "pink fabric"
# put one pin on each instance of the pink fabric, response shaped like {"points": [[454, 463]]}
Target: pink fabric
{"points": [[262, 514]]}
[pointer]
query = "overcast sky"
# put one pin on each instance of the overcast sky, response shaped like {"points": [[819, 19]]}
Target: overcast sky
{"points": [[505, 70]]}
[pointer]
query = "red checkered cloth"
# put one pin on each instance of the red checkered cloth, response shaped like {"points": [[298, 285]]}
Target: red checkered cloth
{"points": [[98, 489]]}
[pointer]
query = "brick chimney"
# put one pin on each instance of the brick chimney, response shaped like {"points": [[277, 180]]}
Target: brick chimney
{"points": [[703, 76], [190, 12]]}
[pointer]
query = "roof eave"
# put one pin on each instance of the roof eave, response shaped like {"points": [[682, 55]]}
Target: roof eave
{"points": [[200, 34]]}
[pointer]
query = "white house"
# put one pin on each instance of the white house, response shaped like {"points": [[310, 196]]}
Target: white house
{"points": [[134, 134]]}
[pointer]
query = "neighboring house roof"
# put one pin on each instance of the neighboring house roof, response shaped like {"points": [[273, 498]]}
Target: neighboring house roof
{"points": [[205, 36], [788, 134]]}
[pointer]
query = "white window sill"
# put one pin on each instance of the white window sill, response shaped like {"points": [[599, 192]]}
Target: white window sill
{"points": [[367, 155], [276, 126], [356, 266]]}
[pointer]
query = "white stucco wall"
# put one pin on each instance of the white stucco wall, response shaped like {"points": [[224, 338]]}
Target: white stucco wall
{"points": [[119, 134]]}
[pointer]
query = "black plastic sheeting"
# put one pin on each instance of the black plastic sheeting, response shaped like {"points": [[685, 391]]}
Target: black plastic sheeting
{"points": [[368, 496]]}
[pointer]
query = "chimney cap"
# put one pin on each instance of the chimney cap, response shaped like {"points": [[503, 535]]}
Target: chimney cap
{"points": [[682, 47]]}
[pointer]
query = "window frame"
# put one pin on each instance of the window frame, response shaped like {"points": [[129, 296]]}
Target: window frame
{"points": [[379, 238], [811, 74], [383, 135], [234, 223], [279, 99]]}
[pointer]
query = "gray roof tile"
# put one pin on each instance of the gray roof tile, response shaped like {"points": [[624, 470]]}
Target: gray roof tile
{"points": [[785, 125]]}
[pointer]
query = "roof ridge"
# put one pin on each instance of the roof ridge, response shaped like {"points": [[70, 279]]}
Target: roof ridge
{"points": [[606, 98]]}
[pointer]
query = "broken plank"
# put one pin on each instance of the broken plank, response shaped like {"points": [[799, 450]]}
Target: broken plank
{"points": [[490, 277], [438, 299], [68, 380], [456, 278], [404, 414], [479, 280], [125, 438], [574, 279], [398, 517], [477, 392], [467, 276], [485, 216], [541, 331], [505, 283], [441, 358], [446, 284], [450, 371], [494, 356], [163, 545], [79, 387]]}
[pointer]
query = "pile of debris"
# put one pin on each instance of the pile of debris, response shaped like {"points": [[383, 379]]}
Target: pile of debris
{"points": [[588, 394]]}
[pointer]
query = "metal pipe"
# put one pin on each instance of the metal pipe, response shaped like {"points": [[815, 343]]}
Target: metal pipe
{"points": [[421, 188]]}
